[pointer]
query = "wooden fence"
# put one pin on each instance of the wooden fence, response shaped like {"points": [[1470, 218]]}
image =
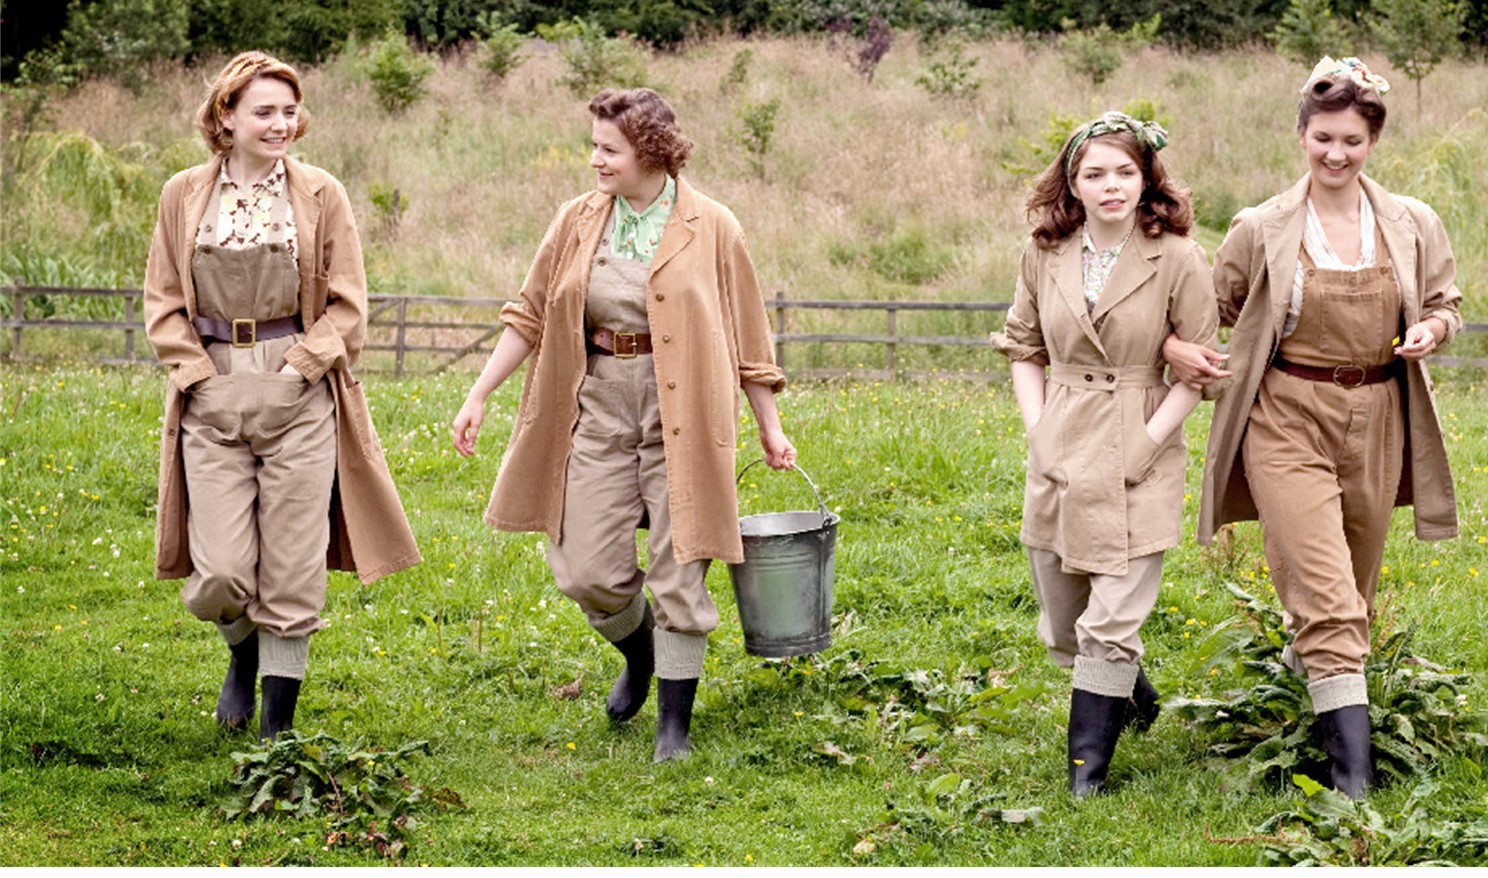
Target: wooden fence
{"points": [[441, 331]]}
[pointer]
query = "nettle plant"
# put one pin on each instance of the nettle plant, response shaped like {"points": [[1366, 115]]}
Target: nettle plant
{"points": [[1261, 728], [363, 793]]}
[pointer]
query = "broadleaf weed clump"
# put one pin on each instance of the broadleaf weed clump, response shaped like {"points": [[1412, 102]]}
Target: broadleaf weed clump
{"points": [[364, 793], [1264, 718]]}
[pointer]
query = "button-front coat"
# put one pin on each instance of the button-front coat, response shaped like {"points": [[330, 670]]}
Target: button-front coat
{"points": [[1265, 242], [369, 532], [1099, 491], [710, 333]]}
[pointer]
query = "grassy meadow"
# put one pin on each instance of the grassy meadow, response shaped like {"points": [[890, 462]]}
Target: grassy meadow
{"points": [[869, 190], [932, 731], [109, 755]]}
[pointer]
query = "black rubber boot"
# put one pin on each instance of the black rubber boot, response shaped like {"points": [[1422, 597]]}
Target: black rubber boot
{"points": [[280, 694], [1143, 706], [1346, 738], [674, 700], [239, 689], [633, 686], [1094, 725]]}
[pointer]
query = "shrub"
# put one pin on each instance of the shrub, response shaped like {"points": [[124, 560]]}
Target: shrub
{"points": [[594, 60], [397, 72], [1417, 34], [501, 47], [121, 38], [738, 71], [910, 255], [757, 130], [1307, 31], [864, 50], [951, 77], [1100, 52]]}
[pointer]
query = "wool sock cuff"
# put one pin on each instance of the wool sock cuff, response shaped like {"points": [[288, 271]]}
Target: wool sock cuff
{"points": [[282, 656], [679, 656], [624, 623], [1340, 690], [1112, 679], [236, 631]]}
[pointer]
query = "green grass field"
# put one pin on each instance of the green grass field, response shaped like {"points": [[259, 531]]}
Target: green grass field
{"points": [[109, 755]]}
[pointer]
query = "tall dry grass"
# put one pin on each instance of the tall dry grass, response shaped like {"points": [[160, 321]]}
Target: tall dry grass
{"points": [[859, 174]]}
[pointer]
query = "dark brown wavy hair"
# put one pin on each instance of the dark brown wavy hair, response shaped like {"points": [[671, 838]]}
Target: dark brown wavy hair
{"points": [[1056, 212], [648, 123], [1332, 94], [231, 82]]}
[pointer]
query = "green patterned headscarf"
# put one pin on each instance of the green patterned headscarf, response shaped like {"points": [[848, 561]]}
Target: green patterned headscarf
{"points": [[1149, 134]]}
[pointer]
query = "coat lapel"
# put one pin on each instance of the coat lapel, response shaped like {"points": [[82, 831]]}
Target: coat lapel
{"points": [[195, 207], [1282, 234], [1069, 280], [1400, 235], [305, 202], [1136, 265], [681, 226]]}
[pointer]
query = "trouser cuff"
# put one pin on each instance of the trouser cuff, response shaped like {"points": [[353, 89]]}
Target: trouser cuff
{"points": [[282, 656], [1340, 690], [236, 631], [679, 656], [1111, 679], [1293, 661], [624, 623]]}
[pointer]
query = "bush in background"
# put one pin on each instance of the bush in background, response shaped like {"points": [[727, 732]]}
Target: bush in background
{"points": [[397, 72], [1308, 31], [501, 47]]}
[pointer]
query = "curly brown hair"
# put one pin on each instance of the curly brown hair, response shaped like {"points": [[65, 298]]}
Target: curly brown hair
{"points": [[1056, 212], [230, 84], [1332, 94], [648, 123]]}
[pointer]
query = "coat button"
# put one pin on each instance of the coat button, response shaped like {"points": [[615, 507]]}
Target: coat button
{"points": [[1089, 377], [602, 261], [676, 430], [671, 385], [666, 338], [661, 297], [1110, 379]]}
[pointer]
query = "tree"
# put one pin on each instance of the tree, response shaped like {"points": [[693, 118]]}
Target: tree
{"points": [[1417, 34], [1307, 31]]}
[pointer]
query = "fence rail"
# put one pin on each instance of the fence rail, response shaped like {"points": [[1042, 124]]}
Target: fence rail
{"points": [[447, 329]]}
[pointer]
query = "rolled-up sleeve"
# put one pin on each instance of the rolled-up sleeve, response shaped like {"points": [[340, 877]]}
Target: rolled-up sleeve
{"points": [[335, 340], [1440, 297], [527, 314], [1022, 336], [752, 335]]}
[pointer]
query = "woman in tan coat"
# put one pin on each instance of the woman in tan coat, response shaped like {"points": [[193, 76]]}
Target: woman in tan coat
{"points": [[643, 318], [270, 470], [1107, 275], [1337, 290]]}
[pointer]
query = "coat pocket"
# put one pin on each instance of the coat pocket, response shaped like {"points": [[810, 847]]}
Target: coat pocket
{"points": [[1044, 452], [1139, 454]]}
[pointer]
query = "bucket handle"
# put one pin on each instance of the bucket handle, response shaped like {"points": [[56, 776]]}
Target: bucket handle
{"points": [[797, 467]]}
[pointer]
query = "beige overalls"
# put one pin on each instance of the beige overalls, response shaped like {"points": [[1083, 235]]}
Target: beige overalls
{"points": [[259, 451], [617, 482], [1323, 459]]}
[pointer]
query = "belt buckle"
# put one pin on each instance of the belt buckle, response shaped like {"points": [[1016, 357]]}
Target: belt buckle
{"points": [[1342, 370], [625, 345], [239, 340]]}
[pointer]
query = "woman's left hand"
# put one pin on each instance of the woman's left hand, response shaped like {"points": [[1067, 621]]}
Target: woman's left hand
{"points": [[1420, 339], [779, 452]]}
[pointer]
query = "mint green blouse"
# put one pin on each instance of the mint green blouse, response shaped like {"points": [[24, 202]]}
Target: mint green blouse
{"points": [[637, 234]]}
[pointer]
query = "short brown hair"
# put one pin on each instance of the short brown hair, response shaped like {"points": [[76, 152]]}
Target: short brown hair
{"points": [[648, 123], [1331, 94], [229, 85], [1056, 212]]}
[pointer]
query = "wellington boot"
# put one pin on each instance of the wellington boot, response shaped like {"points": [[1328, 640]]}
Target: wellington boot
{"points": [[1346, 738], [280, 694], [633, 686], [674, 700], [1143, 706], [236, 700], [1094, 725]]}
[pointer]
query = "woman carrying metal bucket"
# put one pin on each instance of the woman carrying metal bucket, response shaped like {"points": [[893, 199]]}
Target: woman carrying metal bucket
{"points": [[643, 318], [1107, 274]]}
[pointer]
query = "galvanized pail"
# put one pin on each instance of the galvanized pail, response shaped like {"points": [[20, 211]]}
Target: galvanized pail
{"points": [[784, 586]]}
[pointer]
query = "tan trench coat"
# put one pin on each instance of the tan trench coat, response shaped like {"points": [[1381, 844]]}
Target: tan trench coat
{"points": [[1265, 242], [1099, 491], [710, 333], [369, 532]]}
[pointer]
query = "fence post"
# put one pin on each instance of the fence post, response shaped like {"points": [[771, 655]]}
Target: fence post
{"points": [[780, 306], [402, 330], [129, 330], [893, 347], [18, 311]]}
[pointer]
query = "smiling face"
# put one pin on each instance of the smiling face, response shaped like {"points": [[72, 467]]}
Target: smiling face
{"points": [[1337, 144], [618, 169], [262, 122], [1108, 182]]}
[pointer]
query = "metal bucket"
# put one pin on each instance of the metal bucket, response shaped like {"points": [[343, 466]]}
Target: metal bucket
{"points": [[784, 586]]}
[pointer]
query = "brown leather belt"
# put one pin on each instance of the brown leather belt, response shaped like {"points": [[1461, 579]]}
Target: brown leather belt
{"points": [[245, 333], [1343, 376], [619, 344]]}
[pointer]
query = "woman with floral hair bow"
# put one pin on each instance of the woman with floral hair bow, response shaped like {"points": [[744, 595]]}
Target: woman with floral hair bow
{"points": [[1337, 290], [1107, 274]]}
